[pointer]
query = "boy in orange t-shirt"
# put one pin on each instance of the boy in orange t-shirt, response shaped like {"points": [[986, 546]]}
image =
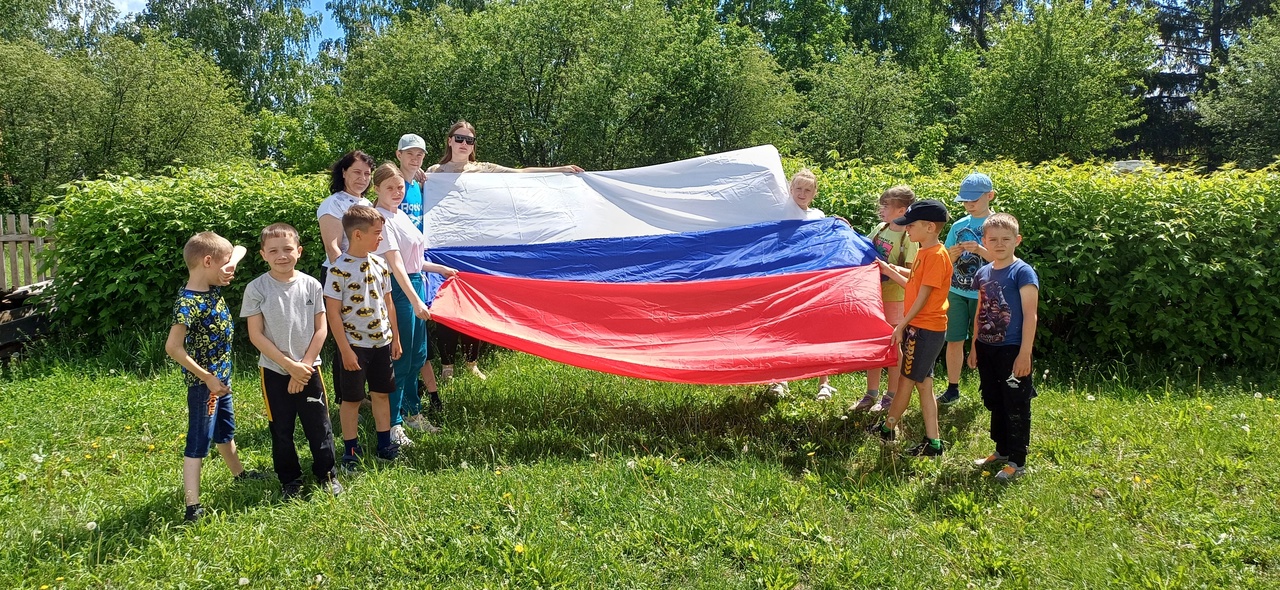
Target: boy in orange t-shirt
{"points": [[922, 332]]}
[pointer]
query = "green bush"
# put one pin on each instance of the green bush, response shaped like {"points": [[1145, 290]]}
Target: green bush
{"points": [[119, 240], [1171, 266]]}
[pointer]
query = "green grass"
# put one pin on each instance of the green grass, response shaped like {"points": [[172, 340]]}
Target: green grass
{"points": [[550, 476]]}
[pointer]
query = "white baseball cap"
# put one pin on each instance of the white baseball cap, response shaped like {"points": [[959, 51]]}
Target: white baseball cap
{"points": [[410, 140]]}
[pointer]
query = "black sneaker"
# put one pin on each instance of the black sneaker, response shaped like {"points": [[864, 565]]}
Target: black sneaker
{"points": [[950, 396], [291, 491], [351, 461], [924, 449], [251, 475], [880, 430], [194, 512], [389, 453]]}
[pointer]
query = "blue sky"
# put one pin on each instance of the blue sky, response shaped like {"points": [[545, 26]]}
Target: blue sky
{"points": [[328, 30]]}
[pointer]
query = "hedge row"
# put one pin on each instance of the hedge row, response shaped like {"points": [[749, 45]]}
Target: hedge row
{"points": [[119, 239], [1171, 266]]}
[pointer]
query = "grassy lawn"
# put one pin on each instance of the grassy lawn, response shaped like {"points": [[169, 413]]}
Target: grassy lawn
{"points": [[550, 476]]}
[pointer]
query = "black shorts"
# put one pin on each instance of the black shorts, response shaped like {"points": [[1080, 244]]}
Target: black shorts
{"points": [[375, 370], [920, 349]]}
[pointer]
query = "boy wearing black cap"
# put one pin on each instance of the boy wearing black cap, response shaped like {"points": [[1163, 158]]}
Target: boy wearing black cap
{"points": [[922, 332]]}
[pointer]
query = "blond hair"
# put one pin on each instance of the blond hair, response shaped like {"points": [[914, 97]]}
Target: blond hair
{"points": [[360, 217], [806, 175], [279, 230], [385, 171], [898, 196], [205, 243], [1001, 221]]}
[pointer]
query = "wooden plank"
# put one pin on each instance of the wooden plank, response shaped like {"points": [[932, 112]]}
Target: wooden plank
{"points": [[24, 223], [12, 224], [41, 274], [4, 286]]}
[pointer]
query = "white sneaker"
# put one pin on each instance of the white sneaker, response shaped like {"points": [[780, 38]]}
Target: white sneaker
{"points": [[825, 392], [475, 370], [780, 389], [446, 372], [420, 422], [399, 437]]}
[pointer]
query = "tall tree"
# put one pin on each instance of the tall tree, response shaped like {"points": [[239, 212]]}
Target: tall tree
{"points": [[1195, 40], [1060, 80], [861, 106], [1243, 108], [262, 44], [799, 33], [605, 85]]}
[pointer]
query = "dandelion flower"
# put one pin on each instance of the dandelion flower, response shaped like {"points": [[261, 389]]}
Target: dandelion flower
{"points": [[91, 525], [631, 464], [1089, 398], [520, 548], [1208, 406], [986, 474], [38, 458], [244, 581], [1256, 395]]}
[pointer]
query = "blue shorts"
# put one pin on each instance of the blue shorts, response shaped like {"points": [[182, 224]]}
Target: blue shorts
{"points": [[204, 428]]}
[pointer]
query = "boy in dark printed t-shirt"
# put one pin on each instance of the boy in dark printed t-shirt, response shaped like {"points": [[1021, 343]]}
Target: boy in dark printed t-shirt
{"points": [[1003, 333], [200, 341]]}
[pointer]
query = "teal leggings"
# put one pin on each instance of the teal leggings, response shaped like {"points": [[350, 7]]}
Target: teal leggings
{"points": [[405, 400]]}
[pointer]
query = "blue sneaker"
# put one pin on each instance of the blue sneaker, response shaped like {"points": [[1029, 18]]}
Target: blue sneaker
{"points": [[950, 396], [389, 453]]}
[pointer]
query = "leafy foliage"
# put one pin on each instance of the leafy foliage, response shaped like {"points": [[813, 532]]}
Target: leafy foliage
{"points": [[1166, 266], [604, 85], [120, 238], [861, 106], [1062, 81], [1244, 109], [261, 44], [125, 107]]}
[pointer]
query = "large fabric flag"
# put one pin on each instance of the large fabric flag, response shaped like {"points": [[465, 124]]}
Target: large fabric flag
{"points": [[704, 292]]}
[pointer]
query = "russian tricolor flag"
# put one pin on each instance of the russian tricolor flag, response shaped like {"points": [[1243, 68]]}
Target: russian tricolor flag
{"points": [[699, 271]]}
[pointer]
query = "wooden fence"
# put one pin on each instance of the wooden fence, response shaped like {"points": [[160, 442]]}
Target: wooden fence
{"points": [[18, 249]]}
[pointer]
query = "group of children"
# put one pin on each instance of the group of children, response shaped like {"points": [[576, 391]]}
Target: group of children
{"points": [[937, 295], [289, 316]]}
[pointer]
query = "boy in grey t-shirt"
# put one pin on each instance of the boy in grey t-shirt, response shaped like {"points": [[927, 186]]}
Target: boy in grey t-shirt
{"points": [[286, 315]]}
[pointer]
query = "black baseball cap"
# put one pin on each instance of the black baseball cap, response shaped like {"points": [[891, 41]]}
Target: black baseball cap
{"points": [[929, 210]]}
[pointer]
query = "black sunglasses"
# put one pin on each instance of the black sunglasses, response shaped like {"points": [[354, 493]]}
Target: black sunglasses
{"points": [[464, 138]]}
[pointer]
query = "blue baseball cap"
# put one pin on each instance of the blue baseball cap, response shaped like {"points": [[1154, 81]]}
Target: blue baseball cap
{"points": [[974, 186]]}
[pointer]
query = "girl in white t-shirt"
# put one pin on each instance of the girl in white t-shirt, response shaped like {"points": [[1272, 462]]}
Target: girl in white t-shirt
{"points": [[460, 157], [348, 181], [404, 248], [804, 189]]}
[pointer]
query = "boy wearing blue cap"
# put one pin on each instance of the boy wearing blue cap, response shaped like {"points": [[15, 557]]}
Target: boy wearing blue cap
{"points": [[964, 244]]}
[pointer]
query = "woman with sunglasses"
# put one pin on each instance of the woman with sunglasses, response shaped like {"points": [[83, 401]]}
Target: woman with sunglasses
{"points": [[460, 157]]}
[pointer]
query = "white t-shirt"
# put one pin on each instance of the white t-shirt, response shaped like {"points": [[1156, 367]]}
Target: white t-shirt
{"points": [[336, 205], [812, 213], [401, 235]]}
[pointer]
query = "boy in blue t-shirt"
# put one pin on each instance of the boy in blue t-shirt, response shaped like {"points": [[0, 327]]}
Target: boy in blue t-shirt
{"points": [[200, 341], [410, 152], [964, 244], [1004, 331]]}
